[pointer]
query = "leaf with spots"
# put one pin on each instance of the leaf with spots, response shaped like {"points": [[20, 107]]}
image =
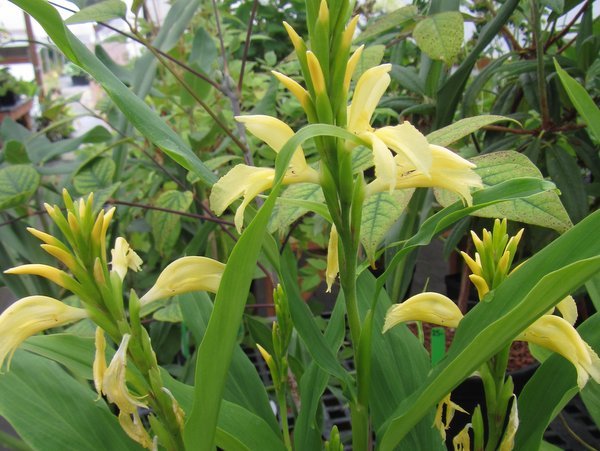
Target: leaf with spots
{"points": [[380, 212], [286, 212], [94, 176], [17, 185], [440, 36], [166, 227], [543, 209]]}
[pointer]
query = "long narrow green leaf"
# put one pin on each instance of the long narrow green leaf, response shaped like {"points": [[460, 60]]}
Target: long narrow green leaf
{"points": [[141, 116], [528, 293], [216, 349], [453, 132], [581, 100]]}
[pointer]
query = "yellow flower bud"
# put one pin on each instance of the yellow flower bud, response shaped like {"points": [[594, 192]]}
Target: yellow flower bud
{"points": [[333, 264], [428, 307], [99, 365], [316, 73]]}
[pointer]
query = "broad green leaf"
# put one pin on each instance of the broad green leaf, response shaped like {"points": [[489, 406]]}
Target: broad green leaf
{"points": [[169, 314], [133, 107], [99, 12], [543, 209], [204, 51], [166, 227], [370, 57], [453, 132], [94, 176], [50, 409], [17, 185], [540, 283], [441, 35], [380, 212], [15, 153], [565, 172], [394, 21], [285, 213], [408, 77]]}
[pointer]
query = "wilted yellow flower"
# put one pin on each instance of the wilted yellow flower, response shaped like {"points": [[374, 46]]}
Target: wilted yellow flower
{"points": [[132, 425], [441, 421], [123, 258], [249, 181], [31, 315], [508, 440], [114, 382], [184, 275], [462, 440], [428, 307]]}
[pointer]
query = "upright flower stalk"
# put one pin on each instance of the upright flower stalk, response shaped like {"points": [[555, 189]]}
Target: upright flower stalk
{"points": [[98, 284], [402, 158]]}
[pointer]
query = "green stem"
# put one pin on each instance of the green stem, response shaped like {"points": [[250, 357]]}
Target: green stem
{"points": [[282, 403], [539, 54]]}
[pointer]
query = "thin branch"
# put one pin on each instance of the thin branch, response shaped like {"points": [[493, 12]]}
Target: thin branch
{"points": [[552, 39], [180, 63], [566, 46], [20, 218], [247, 45], [539, 55], [175, 212]]}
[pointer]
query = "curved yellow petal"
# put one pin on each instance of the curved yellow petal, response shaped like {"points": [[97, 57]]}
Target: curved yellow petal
{"points": [[351, 66], [568, 309], [558, 335], [406, 140], [385, 165], [432, 308], [333, 263], [480, 284], [31, 315], [275, 134], [370, 87], [184, 275], [298, 91]]}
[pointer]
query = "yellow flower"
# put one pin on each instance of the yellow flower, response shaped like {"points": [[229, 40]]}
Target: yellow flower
{"points": [[132, 425], [549, 331], [123, 257], [558, 335], [429, 307], [99, 365], [450, 409], [333, 263], [184, 275], [508, 440], [462, 440], [249, 181], [31, 315], [114, 382]]}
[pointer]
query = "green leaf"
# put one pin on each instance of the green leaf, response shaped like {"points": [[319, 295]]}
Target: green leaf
{"points": [[395, 20], [565, 172], [540, 283], [380, 213], [370, 57], [408, 78], [95, 175], [17, 185], [166, 227], [99, 12], [543, 209], [15, 153], [50, 409], [204, 51], [582, 101], [286, 213], [453, 132], [170, 314], [441, 36], [133, 107]]}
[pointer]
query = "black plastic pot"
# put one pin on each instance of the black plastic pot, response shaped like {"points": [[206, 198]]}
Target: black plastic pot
{"points": [[9, 99], [80, 80]]}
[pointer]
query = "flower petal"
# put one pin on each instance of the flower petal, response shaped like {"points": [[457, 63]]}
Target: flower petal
{"points": [[184, 275], [558, 335], [333, 263], [568, 309], [428, 307], [124, 258], [385, 165], [370, 87], [406, 140], [31, 315]]}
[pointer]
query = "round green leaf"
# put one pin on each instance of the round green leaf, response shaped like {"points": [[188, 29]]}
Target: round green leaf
{"points": [[440, 36], [94, 176]]}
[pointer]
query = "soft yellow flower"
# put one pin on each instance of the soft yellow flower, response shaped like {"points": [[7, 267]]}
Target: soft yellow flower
{"points": [[333, 263], [123, 258], [132, 425], [99, 365], [428, 307], [549, 331], [508, 440], [184, 275], [31, 315], [556, 334], [441, 421], [114, 382], [249, 181]]}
